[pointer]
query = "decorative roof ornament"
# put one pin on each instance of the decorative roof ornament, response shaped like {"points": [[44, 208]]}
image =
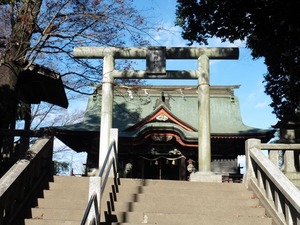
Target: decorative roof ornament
{"points": [[161, 137], [162, 101], [162, 117], [148, 100], [130, 94], [182, 94]]}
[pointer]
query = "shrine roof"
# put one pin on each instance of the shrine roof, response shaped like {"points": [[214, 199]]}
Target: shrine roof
{"points": [[136, 105], [38, 83]]}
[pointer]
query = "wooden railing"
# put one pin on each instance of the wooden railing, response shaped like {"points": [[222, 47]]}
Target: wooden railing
{"points": [[274, 190], [23, 180]]}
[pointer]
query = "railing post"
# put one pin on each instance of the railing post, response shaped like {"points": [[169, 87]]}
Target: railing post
{"points": [[288, 135], [249, 144], [94, 187], [113, 137], [289, 162], [274, 157]]}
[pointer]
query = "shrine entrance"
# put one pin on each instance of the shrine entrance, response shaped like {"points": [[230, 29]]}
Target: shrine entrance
{"points": [[157, 158], [156, 69], [163, 162], [161, 168]]}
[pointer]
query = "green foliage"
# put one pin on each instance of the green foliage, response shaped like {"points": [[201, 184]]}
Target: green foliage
{"points": [[270, 28], [5, 2], [60, 167]]}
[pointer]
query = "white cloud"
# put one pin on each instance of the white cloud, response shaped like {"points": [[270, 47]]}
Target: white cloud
{"points": [[217, 42], [261, 105], [168, 35]]}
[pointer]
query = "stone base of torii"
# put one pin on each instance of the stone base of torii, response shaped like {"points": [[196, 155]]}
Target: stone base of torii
{"points": [[156, 69]]}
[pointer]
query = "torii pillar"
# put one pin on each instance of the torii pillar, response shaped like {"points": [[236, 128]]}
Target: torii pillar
{"points": [[158, 71], [204, 142], [106, 106]]}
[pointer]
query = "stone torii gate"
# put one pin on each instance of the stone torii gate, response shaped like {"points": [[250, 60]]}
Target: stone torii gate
{"points": [[156, 69]]}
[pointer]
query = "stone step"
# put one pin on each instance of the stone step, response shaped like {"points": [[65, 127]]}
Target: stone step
{"points": [[204, 200], [51, 222], [187, 187], [57, 214], [194, 219], [182, 192], [66, 193], [64, 179], [203, 196], [71, 182], [184, 207], [210, 202], [182, 185], [68, 187], [63, 203], [182, 188]]}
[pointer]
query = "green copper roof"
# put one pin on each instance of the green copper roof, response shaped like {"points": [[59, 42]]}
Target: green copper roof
{"points": [[130, 107], [137, 112]]}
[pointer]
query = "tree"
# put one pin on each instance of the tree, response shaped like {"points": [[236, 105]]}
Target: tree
{"points": [[270, 29], [44, 32], [60, 167]]}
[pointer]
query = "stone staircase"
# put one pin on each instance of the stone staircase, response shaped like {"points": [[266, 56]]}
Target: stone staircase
{"points": [[151, 202], [181, 202], [63, 204]]}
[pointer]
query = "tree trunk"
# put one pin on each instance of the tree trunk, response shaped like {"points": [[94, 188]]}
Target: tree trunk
{"points": [[13, 60]]}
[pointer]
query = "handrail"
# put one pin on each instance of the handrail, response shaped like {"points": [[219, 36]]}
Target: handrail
{"points": [[288, 158], [111, 146], [24, 178], [104, 172], [280, 146], [92, 200], [275, 191]]}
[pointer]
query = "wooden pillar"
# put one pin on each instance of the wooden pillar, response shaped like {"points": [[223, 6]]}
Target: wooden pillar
{"points": [[204, 148], [106, 106]]}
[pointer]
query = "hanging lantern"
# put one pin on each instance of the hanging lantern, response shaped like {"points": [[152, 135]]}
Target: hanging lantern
{"points": [[156, 162]]}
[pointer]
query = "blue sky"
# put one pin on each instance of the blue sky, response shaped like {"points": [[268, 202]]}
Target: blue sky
{"points": [[245, 71]]}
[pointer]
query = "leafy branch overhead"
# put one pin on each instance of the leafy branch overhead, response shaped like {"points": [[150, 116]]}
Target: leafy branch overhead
{"points": [[270, 29], [44, 32]]}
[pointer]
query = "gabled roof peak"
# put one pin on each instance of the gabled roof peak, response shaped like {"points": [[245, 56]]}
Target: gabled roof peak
{"points": [[161, 114]]}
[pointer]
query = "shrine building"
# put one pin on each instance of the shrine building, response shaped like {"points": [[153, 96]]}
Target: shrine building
{"points": [[158, 130]]}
